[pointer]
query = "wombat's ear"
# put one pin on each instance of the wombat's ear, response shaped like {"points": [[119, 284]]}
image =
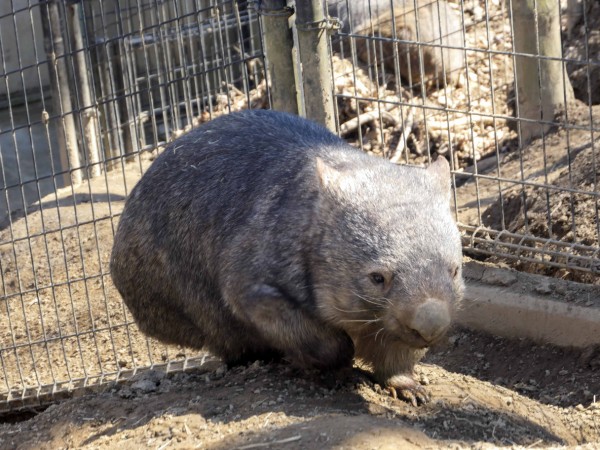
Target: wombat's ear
{"points": [[440, 169], [329, 177]]}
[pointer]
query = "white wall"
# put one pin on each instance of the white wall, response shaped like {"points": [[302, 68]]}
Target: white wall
{"points": [[21, 36]]}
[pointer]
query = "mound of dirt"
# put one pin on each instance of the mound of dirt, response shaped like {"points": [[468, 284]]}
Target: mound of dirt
{"points": [[548, 213]]}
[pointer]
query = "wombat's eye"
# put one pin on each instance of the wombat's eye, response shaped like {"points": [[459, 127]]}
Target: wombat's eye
{"points": [[455, 271], [377, 278]]}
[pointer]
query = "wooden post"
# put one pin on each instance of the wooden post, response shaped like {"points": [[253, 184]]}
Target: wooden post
{"points": [[279, 45], [542, 85], [312, 28]]}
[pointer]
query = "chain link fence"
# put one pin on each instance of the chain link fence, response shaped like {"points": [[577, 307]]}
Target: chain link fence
{"points": [[91, 91]]}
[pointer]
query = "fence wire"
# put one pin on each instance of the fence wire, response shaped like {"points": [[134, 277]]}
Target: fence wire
{"points": [[91, 91], [420, 79]]}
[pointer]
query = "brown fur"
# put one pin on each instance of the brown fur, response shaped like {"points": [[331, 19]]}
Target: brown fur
{"points": [[430, 37]]}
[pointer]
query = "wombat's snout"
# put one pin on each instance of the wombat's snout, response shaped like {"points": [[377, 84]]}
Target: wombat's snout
{"points": [[430, 320]]}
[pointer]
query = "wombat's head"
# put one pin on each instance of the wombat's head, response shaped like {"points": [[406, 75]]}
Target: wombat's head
{"points": [[389, 259]]}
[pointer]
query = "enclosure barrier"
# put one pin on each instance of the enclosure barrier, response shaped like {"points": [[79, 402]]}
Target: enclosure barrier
{"points": [[90, 93]]}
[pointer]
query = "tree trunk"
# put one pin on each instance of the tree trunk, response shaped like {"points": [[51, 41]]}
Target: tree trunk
{"points": [[542, 85]]}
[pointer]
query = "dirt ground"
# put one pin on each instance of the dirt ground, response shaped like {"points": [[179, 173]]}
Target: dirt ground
{"points": [[487, 392], [64, 326], [546, 190]]}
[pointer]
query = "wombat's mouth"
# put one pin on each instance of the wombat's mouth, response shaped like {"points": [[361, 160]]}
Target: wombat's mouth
{"points": [[411, 337]]}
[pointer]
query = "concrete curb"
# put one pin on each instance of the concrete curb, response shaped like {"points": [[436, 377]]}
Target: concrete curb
{"points": [[512, 304]]}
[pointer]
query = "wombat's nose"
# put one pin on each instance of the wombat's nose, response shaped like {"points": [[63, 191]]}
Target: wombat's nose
{"points": [[431, 319]]}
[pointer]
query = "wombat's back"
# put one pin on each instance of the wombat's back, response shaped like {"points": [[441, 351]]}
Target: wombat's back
{"points": [[236, 178], [225, 173]]}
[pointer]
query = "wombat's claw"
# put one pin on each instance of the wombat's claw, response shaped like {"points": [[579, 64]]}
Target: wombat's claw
{"points": [[409, 390], [414, 397]]}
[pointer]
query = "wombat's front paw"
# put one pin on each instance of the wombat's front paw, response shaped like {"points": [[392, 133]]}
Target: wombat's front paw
{"points": [[405, 388]]}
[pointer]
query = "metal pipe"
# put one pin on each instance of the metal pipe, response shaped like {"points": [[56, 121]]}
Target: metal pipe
{"points": [[89, 111], [55, 48]]}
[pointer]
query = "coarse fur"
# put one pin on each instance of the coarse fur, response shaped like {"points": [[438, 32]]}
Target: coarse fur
{"points": [[425, 43], [261, 234]]}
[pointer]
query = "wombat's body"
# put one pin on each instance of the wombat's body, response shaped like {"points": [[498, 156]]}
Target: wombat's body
{"points": [[262, 234], [433, 33]]}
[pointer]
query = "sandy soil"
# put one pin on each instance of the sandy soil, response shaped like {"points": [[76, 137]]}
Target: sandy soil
{"points": [[487, 392]]}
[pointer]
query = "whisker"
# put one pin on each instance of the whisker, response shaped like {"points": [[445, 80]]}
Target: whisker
{"points": [[371, 300], [374, 333], [379, 302], [361, 320], [388, 301], [351, 311]]}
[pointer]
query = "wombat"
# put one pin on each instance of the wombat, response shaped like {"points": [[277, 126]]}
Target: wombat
{"points": [[261, 234], [430, 30]]}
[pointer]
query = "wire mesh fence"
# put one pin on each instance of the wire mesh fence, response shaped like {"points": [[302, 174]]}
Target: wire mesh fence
{"points": [[91, 91], [471, 81]]}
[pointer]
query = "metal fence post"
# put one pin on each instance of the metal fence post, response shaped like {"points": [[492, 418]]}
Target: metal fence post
{"points": [[279, 44], [312, 27], [55, 47], [89, 112]]}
